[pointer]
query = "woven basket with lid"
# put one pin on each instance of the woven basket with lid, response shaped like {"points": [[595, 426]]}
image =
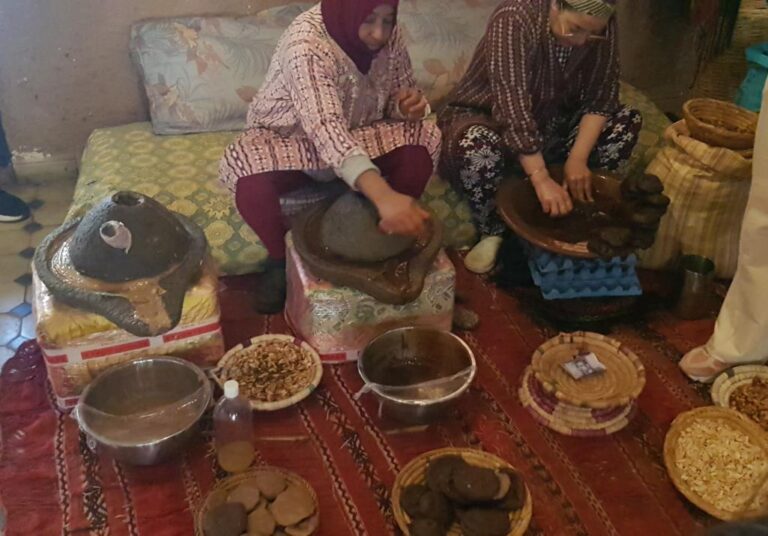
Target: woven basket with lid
{"points": [[619, 385], [415, 473]]}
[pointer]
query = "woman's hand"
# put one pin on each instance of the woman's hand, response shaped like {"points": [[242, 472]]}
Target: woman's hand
{"points": [[400, 214], [554, 199], [578, 180], [412, 103]]}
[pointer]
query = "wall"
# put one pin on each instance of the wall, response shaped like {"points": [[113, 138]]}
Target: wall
{"points": [[65, 67], [657, 47]]}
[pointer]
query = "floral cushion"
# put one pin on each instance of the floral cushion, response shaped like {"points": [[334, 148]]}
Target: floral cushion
{"points": [[200, 73]]}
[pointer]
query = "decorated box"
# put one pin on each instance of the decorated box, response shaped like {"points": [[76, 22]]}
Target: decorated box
{"points": [[338, 322], [77, 345]]}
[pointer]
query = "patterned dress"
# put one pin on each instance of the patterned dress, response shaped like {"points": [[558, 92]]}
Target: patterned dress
{"points": [[316, 109], [524, 93]]}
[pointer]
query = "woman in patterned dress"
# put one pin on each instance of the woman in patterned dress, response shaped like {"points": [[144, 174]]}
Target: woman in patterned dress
{"points": [[339, 100], [542, 88]]}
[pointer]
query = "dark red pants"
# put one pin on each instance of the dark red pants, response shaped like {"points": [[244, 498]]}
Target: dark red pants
{"points": [[407, 170]]}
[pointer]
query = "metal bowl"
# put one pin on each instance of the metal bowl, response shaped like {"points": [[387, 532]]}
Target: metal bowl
{"points": [[145, 411], [393, 364]]}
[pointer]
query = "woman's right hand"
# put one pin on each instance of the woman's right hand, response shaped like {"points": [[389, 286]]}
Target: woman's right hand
{"points": [[554, 199], [400, 214]]}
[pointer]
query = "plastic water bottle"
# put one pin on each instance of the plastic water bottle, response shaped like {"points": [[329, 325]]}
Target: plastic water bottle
{"points": [[233, 430]]}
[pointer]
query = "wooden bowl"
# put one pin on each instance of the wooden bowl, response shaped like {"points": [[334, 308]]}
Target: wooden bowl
{"points": [[520, 209], [415, 473]]}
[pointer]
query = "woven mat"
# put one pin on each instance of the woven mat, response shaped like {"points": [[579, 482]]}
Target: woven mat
{"points": [[52, 484]]}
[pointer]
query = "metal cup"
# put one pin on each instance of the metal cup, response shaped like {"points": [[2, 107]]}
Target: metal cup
{"points": [[696, 290]]}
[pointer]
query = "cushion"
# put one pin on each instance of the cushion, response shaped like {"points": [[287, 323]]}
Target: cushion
{"points": [[200, 73]]}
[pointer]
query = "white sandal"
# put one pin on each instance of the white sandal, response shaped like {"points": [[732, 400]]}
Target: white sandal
{"points": [[482, 258], [700, 366]]}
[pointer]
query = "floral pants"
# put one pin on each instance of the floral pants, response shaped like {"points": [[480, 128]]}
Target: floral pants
{"points": [[482, 164]]}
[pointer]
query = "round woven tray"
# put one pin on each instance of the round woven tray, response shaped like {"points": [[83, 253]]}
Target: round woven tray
{"points": [[414, 473], [307, 382], [571, 420], [222, 489], [720, 123], [727, 417], [619, 385], [729, 381]]}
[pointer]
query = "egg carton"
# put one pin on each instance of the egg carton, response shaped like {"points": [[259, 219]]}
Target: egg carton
{"points": [[567, 290], [560, 277], [548, 262]]}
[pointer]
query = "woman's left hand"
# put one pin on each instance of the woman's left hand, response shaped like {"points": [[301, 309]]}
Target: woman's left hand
{"points": [[578, 180], [412, 103]]}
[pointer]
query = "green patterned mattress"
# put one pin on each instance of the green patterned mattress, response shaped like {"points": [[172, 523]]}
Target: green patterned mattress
{"points": [[181, 172]]}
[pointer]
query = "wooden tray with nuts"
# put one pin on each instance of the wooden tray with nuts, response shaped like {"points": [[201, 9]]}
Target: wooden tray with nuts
{"points": [[273, 371]]}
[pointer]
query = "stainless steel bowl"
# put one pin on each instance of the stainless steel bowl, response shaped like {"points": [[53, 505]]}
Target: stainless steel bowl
{"points": [[395, 362], [133, 412]]}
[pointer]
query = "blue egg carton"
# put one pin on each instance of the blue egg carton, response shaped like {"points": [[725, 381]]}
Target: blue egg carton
{"points": [[560, 277]]}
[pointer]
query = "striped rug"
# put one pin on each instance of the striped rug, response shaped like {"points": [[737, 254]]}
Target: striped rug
{"points": [[52, 484]]}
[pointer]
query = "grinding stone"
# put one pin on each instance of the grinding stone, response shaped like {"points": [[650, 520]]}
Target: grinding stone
{"points": [[350, 229]]}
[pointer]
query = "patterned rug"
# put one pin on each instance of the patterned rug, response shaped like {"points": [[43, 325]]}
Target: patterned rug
{"points": [[52, 484]]}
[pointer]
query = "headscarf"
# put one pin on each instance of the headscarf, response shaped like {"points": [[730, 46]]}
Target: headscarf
{"points": [[596, 8], [343, 18]]}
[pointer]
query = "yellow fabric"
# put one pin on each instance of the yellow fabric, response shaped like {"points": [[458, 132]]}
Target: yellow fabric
{"points": [[741, 332], [708, 187], [59, 325]]}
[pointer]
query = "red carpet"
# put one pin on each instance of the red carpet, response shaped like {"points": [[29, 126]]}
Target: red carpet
{"points": [[52, 484]]}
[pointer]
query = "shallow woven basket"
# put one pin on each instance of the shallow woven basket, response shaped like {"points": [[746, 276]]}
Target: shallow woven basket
{"points": [[720, 123], [571, 420], [301, 392], [728, 382], [731, 418], [220, 491], [619, 385], [415, 473]]}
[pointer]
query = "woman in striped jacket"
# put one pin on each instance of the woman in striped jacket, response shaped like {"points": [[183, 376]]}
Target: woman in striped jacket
{"points": [[339, 101], [542, 88]]}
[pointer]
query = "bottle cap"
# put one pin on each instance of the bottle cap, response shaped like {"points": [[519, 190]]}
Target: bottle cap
{"points": [[231, 389]]}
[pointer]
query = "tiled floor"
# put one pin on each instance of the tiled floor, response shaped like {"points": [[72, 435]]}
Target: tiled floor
{"points": [[49, 200]]}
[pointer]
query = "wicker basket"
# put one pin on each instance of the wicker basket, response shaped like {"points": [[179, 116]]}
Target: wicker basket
{"points": [[728, 382], [415, 473], [219, 493], [720, 124], [619, 385], [301, 391], [571, 420], [725, 416]]}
